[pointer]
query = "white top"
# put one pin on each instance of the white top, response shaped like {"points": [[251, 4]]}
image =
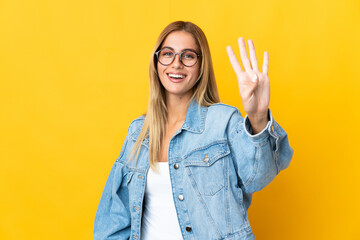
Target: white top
{"points": [[159, 219]]}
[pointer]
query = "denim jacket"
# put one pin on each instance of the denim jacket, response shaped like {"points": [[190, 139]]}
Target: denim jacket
{"points": [[215, 165]]}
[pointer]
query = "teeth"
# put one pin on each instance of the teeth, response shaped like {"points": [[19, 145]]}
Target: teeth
{"points": [[176, 76]]}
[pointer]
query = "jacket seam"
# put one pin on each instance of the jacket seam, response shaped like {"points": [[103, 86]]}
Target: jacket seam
{"points": [[204, 147], [201, 200], [256, 168]]}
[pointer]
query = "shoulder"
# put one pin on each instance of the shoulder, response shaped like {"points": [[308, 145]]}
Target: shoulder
{"points": [[136, 125], [221, 116], [223, 109], [224, 116]]}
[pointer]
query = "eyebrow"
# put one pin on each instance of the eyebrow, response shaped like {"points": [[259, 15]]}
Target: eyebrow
{"points": [[185, 49]]}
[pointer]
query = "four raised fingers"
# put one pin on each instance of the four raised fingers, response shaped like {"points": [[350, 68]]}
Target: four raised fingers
{"points": [[245, 60]]}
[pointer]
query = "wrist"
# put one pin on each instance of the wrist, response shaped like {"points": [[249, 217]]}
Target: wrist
{"points": [[259, 117], [258, 122]]}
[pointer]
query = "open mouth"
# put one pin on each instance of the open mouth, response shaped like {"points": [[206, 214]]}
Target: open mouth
{"points": [[176, 76]]}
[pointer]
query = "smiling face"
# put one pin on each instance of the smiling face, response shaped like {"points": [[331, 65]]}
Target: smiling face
{"points": [[177, 79]]}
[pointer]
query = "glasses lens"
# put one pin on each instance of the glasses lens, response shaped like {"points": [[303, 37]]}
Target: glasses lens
{"points": [[188, 58], [166, 56]]}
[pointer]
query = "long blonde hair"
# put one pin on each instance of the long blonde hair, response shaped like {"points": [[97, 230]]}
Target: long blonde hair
{"points": [[205, 91]]}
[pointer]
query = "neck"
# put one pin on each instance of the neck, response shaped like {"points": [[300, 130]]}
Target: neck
{"points": [[177, 107]]}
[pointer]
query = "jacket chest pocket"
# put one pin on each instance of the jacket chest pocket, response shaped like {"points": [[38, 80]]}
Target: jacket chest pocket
{"points": [[205, 167]]}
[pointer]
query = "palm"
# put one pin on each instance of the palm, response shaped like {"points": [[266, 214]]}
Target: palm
{"points": [[255, 96]]}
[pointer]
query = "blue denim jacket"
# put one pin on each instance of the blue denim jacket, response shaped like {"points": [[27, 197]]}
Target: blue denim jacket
{"points": [[215, 165]]}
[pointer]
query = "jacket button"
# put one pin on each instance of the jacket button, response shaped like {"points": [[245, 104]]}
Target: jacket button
{"points": [[272, 128], [181, 197], [206, 159], [188, 229], [176, 166]]}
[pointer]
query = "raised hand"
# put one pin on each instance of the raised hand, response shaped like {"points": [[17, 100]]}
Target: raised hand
{"points": [[254, 86]]}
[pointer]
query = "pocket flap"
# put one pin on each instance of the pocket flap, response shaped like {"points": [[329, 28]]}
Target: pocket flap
{"points": [[205, 156], [128, 177]]}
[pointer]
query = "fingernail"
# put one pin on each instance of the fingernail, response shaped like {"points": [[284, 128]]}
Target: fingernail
{"points": [[254, 78]]}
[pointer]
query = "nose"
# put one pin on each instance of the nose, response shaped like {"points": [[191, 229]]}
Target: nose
{"points": [[177, 63]]}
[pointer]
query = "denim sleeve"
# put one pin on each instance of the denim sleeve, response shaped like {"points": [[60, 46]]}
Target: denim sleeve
{"points": [[112, 219], [258, 158]]}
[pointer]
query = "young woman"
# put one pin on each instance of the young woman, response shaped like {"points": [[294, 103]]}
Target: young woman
{"points": [[188, 168]]}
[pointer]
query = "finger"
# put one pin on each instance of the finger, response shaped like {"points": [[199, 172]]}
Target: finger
{"points": [[233, 60], [249, 91], [254, 78], [253, 59], [243, 55], [265, 67]]}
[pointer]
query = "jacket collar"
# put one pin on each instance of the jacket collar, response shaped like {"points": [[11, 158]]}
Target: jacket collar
{"points": [[194, 121], [195, 118]]}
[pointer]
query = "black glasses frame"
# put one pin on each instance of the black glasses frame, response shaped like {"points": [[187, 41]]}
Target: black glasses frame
{"points": [[157, 57]]}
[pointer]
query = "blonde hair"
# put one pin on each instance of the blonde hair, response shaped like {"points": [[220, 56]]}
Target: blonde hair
{"points": [[204, 92]]}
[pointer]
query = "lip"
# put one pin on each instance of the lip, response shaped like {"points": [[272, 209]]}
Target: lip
{"points": [[176, 80]]}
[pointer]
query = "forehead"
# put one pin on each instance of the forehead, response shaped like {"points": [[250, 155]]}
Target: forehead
{"points": [[180, 40]]}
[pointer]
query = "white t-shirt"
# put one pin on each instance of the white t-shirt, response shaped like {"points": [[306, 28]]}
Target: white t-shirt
{"points": [[159, 219]]}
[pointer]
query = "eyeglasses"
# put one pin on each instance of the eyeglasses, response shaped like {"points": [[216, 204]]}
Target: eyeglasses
{"points": [[166, 56]]}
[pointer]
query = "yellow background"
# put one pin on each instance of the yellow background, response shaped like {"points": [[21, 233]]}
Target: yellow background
{"points": [[74, 74]]}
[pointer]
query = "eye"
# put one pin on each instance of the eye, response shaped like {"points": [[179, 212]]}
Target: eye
{"points": [[166, 53], [189, 55]]}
